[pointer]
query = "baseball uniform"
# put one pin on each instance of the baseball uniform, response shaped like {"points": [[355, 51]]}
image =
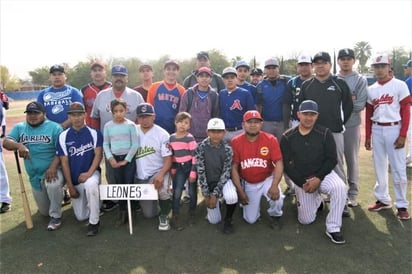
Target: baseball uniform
{"points": [[90, 92]]}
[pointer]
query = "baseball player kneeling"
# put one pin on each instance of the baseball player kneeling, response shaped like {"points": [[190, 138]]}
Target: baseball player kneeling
{"points": [[214, 162], [257, 160], [309, 157]]}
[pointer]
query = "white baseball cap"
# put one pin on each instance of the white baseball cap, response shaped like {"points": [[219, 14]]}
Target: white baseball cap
{"points": [[304, 59], [381, 59], [216, 124]]}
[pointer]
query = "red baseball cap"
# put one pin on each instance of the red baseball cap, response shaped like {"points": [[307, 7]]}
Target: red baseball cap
{"points": [[97, 63], [251, 114]]}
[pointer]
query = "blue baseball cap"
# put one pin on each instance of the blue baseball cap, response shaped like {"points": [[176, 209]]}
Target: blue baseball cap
{"points": [[119, 70], [242, 63], [308, 106], [408, 64]]}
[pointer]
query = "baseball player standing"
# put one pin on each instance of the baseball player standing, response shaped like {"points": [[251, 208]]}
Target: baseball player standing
{"points": [[309, 157], [80, 151], [386, 124], [351, 137], [257, 161], [408, 81]]}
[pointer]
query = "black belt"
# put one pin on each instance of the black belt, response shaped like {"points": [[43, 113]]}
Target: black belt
{"points": [[387, 124], [233, 128]]}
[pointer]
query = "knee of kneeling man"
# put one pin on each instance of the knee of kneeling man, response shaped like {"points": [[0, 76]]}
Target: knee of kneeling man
{"points": [[231, 199], [306, 221]]}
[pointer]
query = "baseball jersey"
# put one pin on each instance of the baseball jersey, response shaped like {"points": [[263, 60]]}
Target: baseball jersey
{"points": [[165, 99], [120, 139], [140, 89], [233, 105], [384, 104], [79, 147], [269, 95], [256, 159], [90, 92], [57, 101], [291, 95], [249, 87], [154, 145], [101, 108], [334, 101], [409, 84], [310, 155], [41, 142]]}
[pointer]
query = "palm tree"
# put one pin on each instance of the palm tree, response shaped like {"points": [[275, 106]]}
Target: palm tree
{"points": [[363, 53]]}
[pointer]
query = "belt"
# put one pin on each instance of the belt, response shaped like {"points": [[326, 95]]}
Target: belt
{"points": [[387, 124], [233, 128]]}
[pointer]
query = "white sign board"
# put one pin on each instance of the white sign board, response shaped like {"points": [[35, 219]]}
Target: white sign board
{"points": [[128, 192]]}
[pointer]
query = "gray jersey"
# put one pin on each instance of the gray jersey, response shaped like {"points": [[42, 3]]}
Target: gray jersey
{"points": [[101, 107]]}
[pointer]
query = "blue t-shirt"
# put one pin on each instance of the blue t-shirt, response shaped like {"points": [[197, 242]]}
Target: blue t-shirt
{"points": [[41, 142], [233, 105], [79, 147], [271, 99], [57, 101]]}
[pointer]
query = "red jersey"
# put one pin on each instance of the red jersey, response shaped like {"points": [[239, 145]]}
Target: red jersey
{"points": [[89, 95], [256, 158]]}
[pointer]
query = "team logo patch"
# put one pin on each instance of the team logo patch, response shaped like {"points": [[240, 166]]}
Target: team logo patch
{"points": [[264, 151]]}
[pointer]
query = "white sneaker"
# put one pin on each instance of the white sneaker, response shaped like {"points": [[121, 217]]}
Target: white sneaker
{"points": [[352, 202], [164, 223]]}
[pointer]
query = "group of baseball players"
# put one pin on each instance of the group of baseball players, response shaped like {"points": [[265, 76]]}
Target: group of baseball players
{"points": [[234, 139]]}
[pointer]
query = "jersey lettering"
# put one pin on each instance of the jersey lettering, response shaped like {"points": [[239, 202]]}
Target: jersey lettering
{"points": [[384, 99], [74, 151], [144, 151], [34, 139], [236, 105], [253, 162], [168, 97]]}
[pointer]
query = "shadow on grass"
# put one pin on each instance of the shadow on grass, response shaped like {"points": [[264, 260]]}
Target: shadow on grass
{"points": [[374, 245]]}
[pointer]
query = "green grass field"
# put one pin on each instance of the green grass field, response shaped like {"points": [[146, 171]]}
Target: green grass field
{"points": [[375, 242]]}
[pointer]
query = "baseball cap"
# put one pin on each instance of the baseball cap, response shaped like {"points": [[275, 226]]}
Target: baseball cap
{"points": [[308, 106], [172, 62], [216, 124], [97, 63], [76, 107], [204, 70], [346, 53], [242, 63], [271, 62], [58, 68], [251, 114], [381, 59], [229, 70], [322, 56], [304, 59], [145, 109], [202, 55], [143, 66], [256, 71], [408, 64], [119, 70], [35, 107]]}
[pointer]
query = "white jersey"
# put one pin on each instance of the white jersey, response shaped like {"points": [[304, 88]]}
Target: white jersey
{"points": [[386, 99], [101, 106], [154, 145]]}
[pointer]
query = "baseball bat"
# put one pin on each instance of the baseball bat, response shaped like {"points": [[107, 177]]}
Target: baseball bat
{"points": [[26, 207]]}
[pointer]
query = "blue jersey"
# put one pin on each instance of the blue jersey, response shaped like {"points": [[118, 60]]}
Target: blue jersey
{"points": [[79, 147], [41, 142], [57, 101], [270, 97], [409, 84], [233, 105], [251, 88], [292, 95]]}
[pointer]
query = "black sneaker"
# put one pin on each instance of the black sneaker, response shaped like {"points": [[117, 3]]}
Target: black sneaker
{"points": [[92, 230], [5, 207], [346, 212], [228, 226], [321, 206], [108, 206], [335, 237], [275, 222]]}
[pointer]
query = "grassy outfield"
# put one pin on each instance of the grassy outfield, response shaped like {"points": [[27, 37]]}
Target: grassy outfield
{"points": [[375, 242]]}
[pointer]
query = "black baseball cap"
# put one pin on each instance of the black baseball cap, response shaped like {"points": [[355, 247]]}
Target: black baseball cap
{"points": [[35, 107], [202, 55], [346, 53], [256, 71], [58, 68], [322, 56]]}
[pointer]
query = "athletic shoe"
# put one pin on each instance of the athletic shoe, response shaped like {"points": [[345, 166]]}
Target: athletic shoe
{"points": [[336, 237], [228, 226], [352, 202], [275, 222], [346, 212], [5, 207], [108, 206], [186, 200], [92, 230], [164, 223], [378, 206], [403, 214], [54, 224]]}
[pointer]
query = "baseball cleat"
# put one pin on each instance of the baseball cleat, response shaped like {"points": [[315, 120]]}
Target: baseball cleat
{"points": [[378, 206], [403, 214], [336, 237]]}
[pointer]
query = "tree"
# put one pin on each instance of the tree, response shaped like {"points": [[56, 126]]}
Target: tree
{"points": [[362, 53], [40, 76], [398, 58], [7, 82]]}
